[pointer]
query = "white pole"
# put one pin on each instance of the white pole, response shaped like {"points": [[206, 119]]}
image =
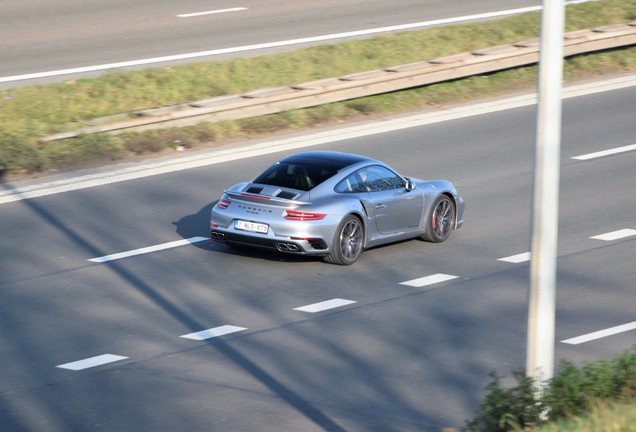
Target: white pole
{"points": [[541, 314]]}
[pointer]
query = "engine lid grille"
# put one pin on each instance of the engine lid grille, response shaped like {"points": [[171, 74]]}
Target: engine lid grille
{"points": [[286, 195]]}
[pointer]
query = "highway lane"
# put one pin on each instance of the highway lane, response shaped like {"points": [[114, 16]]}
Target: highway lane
{"points": [[399, 357], [38, 36]]}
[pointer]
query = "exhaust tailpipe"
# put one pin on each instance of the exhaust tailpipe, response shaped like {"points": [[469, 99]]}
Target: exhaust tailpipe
{"points": [[287, 247], [217, 236]]}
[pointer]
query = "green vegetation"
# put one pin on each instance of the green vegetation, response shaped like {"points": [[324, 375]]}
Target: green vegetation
{"points": [[603, 418], [598, 396], [29, 113]]}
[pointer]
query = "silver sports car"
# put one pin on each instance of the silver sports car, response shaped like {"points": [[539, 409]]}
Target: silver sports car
{"points": [[334, 205]]}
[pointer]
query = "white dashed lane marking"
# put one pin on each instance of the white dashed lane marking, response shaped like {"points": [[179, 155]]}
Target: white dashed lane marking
{"points": [[325, 305], [148, 249], [606, 152], [429, 280], [601, 334], [211, 12], [615, 235], [333, 303], [213, 332], [92, 362], [519, 258]]}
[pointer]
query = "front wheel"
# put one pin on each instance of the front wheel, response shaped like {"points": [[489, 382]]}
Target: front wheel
{"points": [[441, 220], [347, 243]]}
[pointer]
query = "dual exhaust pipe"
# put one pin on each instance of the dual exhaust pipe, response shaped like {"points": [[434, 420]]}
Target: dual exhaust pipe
{"points": [[287, 247], [217, 236]]}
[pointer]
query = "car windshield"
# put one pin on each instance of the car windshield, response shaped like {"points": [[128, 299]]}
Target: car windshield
{"points": [[295, 175]]}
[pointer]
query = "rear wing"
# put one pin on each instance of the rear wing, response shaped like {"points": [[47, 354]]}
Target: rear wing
{"points": [[265, 199]]}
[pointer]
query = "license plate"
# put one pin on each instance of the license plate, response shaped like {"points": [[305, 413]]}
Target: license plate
{"points": [[251, 226]]}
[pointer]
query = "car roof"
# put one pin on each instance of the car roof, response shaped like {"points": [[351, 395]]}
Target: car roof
{"points": [[331, 159]]}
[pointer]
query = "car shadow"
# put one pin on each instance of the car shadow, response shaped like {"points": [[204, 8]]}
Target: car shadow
{"points": [[197, 225]]}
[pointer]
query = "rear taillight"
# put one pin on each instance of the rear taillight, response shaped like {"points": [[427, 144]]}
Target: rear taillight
{"points": [[223, 204], [255, 196], [302, 216]]}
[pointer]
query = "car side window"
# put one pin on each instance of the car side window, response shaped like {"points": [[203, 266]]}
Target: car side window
{"points": [[351, 184], [379, 178], [370, 179]]}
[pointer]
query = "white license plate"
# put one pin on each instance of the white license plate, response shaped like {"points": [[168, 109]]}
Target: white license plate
{"points": [[251, 226]]}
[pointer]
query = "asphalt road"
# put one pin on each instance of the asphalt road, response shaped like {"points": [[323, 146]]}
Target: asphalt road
{"points": [[43, 36], [91, 345]]}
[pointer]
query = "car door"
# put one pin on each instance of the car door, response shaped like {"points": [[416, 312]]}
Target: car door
{"points": [[395, 208]]}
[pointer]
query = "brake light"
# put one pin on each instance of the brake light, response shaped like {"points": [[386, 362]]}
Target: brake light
{"points": [[223, 204], [255, 196], [302, 216]]}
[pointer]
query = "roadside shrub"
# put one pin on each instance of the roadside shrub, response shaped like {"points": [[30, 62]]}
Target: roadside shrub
{"points": [[507, 409], [572, 392]]}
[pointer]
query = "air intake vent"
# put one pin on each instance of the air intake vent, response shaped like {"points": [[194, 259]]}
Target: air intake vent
{"points": [[254, 190], [287, 195]]}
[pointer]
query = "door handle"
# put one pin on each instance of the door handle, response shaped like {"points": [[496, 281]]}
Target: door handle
{"points": [[380, 206]]}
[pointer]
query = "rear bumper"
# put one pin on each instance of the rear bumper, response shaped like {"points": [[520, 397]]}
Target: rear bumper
{"points": [[314, 246]]}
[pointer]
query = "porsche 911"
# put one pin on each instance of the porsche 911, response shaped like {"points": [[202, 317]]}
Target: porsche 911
{"points": [[334, 205]]}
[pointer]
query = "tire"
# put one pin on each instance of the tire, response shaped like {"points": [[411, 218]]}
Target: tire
{"points": [[348, 242], [440, 221]]}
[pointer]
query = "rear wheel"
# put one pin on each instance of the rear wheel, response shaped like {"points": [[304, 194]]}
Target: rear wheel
{"points": [[440, 221], [347, 243]]}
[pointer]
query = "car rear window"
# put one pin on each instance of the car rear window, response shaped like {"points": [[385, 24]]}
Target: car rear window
{"points": [[295, 175]]}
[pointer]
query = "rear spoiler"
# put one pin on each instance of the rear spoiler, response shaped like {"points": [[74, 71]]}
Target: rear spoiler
{"points": [[264, 199]]}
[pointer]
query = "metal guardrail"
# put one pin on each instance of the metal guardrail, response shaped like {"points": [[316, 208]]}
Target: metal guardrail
{"points": [[273, 100]]}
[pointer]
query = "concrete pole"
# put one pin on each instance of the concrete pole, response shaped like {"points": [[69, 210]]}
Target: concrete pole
{"points": [[541, 313]]}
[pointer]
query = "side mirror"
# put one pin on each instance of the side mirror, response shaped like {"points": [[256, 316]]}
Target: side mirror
{"points": [[409, 184]]}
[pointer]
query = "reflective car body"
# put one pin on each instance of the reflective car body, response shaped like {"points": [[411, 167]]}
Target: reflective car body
{"points": [[334, 205]]}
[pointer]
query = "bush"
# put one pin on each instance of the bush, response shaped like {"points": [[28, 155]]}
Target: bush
{"points": [[507, 409], [572, 392], [573, 389]]}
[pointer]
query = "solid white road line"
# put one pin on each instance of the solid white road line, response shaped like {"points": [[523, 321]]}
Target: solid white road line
{"points": [[214, 52], [211, 12], [429, 280], [609, 152], [325, 305], [615, 235], [601, 334], [213, 332], [148, 249], [92, 362], [519, 258]]}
